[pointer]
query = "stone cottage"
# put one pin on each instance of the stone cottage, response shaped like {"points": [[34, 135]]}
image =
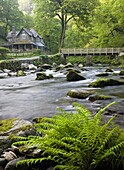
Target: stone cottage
{"points": [[24, 40]]}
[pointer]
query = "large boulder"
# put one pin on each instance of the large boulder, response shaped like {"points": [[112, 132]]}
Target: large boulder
{"points": [[80, 94], [43, 76], [14, 126], [72, 75], [102, 82]]}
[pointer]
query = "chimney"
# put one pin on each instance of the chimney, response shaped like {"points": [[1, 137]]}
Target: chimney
{"points": [[13, 34]]}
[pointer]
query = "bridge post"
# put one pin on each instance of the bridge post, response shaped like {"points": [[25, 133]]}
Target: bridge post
{"points": [[89, 60]]}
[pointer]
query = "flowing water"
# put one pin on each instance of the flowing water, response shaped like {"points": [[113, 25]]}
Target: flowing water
{"points": [[27, 98]]}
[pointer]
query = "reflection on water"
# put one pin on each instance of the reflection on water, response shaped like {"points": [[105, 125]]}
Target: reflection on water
{"points": [[24, 97]]}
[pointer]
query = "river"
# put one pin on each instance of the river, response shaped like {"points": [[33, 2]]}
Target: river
{"points": [[27, 98]]}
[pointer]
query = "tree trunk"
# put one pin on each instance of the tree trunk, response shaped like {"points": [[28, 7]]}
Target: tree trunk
{"points": [[63, 29]]}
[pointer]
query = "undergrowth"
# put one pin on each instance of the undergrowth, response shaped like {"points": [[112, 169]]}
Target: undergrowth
{"points": [[77, 141]]}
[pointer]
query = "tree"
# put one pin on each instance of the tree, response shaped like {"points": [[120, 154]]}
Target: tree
{"points": [[9, 15], [109, 24], [65, 11]]}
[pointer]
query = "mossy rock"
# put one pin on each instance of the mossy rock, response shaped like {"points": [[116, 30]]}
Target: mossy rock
{"points": [[72, 75], [105, 82], [70, 69], [68, 65], [6, 124], [46, 66], [108, 70], [80, 94], [60, 67], [102, 74], [121, 72], [43, 76], [20, 73], [99, 97]]}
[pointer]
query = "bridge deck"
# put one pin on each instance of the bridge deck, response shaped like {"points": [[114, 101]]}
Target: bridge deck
{"points": [[91, 51]]}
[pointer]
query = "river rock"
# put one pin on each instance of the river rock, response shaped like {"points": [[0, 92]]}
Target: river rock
{"points": [[60, 67], [105, 82], [72, 75], [46, 66], [12, 74], [80, 94], [3, 75], [32, 67], [6, 70], [102, 74], [1, 71], [99, 97], [68, 65], [43, 76], [12, 165], [24, 66], [108, 70], [3, 161], [70, 69], [17, 126], [20, 73], [5, 143], [80, 66], [9, 155], [121, 72]]}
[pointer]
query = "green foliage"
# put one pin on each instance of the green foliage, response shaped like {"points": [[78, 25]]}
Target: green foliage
{"points": [[9, 15], [5, 125], [3, 52], [78, 141]]}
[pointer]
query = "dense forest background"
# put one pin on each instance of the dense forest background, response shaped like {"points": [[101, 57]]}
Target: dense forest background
{"points": [[66, 23]]}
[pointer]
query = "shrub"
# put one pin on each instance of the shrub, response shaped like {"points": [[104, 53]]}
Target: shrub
{"points": [[3, 51], [78, 141]]}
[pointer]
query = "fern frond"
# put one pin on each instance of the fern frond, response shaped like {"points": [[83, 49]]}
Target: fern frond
{"points": [[97, 116], [31, 161]]}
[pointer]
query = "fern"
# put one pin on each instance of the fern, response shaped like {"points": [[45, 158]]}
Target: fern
{"points": [[77, 141]]}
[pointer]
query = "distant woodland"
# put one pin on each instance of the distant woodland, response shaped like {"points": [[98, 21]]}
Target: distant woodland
{"points": [[67, 23]]}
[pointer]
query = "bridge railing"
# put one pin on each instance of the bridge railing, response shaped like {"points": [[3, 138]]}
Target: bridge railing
{"points": [[85, 51]]}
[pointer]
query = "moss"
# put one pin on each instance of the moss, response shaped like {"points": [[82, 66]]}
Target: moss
{"points": [[80, 94], [7, 124], [102, 82], [21, 73], [121, 72], [43, 76], [99, 97]]}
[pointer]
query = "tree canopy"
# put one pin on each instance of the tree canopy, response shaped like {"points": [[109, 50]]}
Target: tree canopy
{"points": [[65, 11], [9, 15]]}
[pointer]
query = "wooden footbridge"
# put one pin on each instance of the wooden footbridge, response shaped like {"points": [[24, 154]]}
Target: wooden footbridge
{"points": [[92, 51]]}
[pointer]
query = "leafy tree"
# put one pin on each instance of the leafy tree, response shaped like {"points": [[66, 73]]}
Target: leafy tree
{"points": [[108, 24], [65, 11], [9, 15]]}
